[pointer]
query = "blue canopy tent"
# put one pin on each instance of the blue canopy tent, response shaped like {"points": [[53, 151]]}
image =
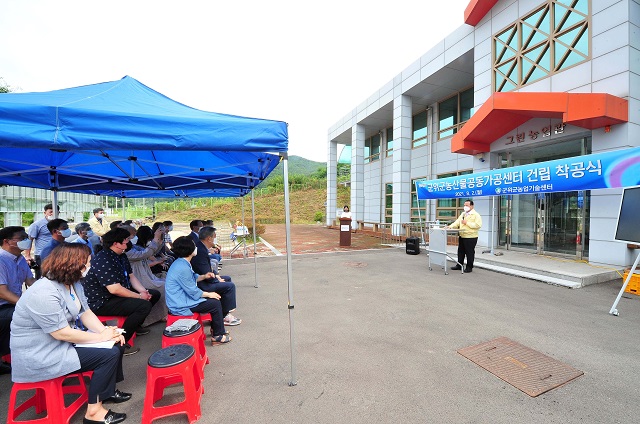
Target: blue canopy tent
{"points": [[123, 139]]}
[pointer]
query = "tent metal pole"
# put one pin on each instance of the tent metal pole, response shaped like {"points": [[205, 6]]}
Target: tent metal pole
{"points": [[255, 254], [54, 203], [124, 212], [287, 223], [244, 237]]}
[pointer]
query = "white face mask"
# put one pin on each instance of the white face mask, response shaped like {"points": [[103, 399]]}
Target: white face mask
{"points": [[195, 252], [85, 272], [24, 244], [100, 215], [65, 233], [90, 234], [467, 208], [171, 228], [49, 217], [134, 240]]}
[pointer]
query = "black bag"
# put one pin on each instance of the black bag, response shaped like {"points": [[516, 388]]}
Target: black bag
{"points": [[413, 245]]}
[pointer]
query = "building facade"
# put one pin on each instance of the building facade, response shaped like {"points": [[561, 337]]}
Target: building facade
{"points": [[520, 82]]}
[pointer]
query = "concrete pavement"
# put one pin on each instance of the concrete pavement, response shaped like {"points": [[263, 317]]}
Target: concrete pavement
{"points": [[376, 335]]}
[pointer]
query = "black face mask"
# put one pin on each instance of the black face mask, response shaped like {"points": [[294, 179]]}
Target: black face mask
{"points": [[129, 246]]}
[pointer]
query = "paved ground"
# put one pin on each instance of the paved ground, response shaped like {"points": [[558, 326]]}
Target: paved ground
{"points": [[376, 336]]}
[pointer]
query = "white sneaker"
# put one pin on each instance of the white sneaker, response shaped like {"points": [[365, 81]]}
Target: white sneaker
{"points": [[231, 320]]}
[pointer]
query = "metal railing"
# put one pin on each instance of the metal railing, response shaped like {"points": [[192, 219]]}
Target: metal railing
{"points": [[395, 234]]}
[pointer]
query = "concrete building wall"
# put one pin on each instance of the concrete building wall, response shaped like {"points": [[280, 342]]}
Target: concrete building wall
{"points": [[614, 68]]}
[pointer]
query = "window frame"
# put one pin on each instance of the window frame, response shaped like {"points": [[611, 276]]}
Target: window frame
{"points": [[451, 130], [457, 209], [423, 140], [530, 39]]}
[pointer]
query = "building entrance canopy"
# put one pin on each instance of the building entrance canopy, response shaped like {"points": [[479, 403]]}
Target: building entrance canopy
{"points": [[620, 168]]}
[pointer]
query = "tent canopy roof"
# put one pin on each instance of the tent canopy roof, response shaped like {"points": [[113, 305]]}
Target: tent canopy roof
{"points": [[122, 138]]}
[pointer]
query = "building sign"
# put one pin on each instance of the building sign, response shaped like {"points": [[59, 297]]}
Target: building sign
{"points": [[620, 168], [538, 130]]}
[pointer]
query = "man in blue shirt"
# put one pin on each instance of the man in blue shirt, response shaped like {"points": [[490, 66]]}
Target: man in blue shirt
{"points": [[14, 271], [40, 236], [84, 232], [59, 230]]}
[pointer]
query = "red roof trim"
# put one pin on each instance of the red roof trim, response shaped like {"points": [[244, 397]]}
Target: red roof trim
{"points": [[504, 112], [476, 10]]}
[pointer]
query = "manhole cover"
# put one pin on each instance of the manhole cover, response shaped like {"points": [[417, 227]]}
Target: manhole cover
{"points": [[526, 369], [356, 264]]}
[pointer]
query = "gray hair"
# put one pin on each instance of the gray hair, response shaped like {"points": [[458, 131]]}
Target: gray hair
{"points": [[206, 232], [83, 226]]}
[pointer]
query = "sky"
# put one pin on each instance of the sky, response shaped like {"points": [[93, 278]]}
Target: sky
{"points": [[307, 64]]}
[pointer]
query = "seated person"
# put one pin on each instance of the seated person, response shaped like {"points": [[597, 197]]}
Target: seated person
{"points": [[183, 295], [113, 289], [84, 233], [140, 251], [45, 328], [163, 256], [215, 252], [59, 229], [168, 225], [195, 226], [14, 271], [217, 283]]}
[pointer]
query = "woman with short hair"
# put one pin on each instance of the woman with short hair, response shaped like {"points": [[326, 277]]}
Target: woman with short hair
{"points": [[183, 295], [51, 317]]}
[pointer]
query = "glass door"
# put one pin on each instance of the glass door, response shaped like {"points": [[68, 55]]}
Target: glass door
{"points": [[565, 223]]}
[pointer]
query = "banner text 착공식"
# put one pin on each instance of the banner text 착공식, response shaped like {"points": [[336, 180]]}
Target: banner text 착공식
{"points": [[620, 168]]}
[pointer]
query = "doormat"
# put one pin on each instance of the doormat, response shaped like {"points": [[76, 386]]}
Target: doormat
{"points": [[526, 369]]}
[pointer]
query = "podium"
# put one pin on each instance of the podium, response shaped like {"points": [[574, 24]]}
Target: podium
{"points": [[438, 247], [345, 232]]}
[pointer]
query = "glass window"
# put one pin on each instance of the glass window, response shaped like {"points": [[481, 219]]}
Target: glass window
{"points": [[548, 40], [388, 203], [420, 130], [372, 149], [454, 112], [389, 141], [449, 210], [417, 206]]}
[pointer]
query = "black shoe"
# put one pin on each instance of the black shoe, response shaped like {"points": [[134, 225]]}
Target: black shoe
{"points": [[456, 268], [110, 418], [141, 331], [468, 270], [130, 350], [118, 397], [5, 368]]}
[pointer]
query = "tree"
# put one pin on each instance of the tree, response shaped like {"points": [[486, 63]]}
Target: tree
{"points": [[4, 87]]}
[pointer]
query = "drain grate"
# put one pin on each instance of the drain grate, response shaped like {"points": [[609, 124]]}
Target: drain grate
{"points": [[526, 369]]}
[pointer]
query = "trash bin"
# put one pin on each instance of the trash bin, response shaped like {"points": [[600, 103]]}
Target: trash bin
{"points": [[345, 232]]}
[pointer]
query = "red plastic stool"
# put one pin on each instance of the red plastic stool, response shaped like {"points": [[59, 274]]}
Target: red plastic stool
{"points": [[119, 323], [6, 358], [193, 337], [49, 397], [196, 315], [171, 365]]}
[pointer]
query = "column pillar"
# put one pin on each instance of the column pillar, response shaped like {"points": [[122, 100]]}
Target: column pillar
{"points": [[402, 138], [357, 174], [332, 182]]}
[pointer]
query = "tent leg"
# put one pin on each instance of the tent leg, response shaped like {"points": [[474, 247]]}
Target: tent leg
{"points": [[287, 222], [255, 254], [54, 203], [124, 212]]}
